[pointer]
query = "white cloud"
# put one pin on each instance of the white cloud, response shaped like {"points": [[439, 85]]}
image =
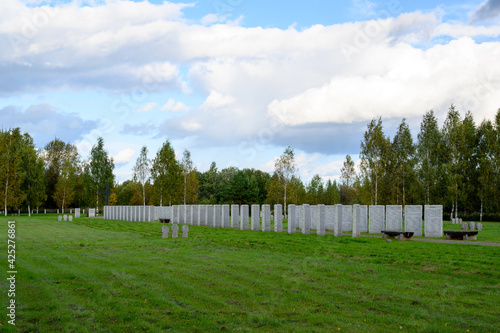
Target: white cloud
{"points": [[146, 107], [124, 156], [175, 106]]}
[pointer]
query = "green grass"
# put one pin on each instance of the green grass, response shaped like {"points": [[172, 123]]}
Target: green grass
{"points": [[93, 275]]}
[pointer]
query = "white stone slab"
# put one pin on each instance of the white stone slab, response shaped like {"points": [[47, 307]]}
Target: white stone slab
{"points": [[235, 216], [376, 219], [394, 218], [413, 219], [244, 217], [278, 218], [255, 225], [433, 221]]}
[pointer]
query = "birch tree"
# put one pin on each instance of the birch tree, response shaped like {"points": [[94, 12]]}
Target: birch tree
{"points": [[142, 171], [33, 184], [166, 174], [285, 167], [99, 171]]}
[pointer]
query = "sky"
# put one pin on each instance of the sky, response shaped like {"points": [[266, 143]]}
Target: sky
{"points": [[237, 81]]}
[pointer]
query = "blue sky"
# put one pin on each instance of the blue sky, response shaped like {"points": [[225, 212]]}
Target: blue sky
{"points": [[237, 81]]}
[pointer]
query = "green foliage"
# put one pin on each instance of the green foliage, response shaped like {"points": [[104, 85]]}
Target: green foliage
{"points": [[166, 176], [142, 171], [98, 173], [68, 175], [11, 168]]}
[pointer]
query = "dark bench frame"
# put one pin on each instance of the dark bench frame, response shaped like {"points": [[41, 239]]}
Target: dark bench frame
{"points": [[461, 234], [399, 235], [164, 220]]}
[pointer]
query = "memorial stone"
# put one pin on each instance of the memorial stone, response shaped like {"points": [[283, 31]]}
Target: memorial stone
{"points": [[65, 217], [465, 226], [164, 231], [91, 212], [479, 226], [329, 209], [376, 215], [433, 221], [337, 220], [320, 230], [70, 218], [266, 218], [300, 212], [235, 216], [196, 215], [472, 226], [346, 218], [175, 231], [292, 218], [189, 214], [394, 218], [413, 219], [364, 218], [59, 218], [175, 216], [244, 217], [355, 221], [307, 219], [314, 217], [217, 216], [278, 218], [203, 215], [255, 217], [185, 230], [225, 216], [210, 216]]}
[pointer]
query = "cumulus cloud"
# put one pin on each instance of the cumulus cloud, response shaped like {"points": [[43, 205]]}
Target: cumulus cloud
{"points": [[146, 107], [124, 156], [175, 106], [43, 122], [311, 88], [488, 10]]}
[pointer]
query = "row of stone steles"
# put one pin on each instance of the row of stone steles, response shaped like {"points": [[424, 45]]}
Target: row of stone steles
{"points": [[339, 218], [175, 231]]}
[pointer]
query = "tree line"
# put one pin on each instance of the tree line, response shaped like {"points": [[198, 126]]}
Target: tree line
{"points": [[456, 166]]}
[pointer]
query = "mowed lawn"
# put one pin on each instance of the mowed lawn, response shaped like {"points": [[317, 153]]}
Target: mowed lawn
{"points": [[93, 275]]}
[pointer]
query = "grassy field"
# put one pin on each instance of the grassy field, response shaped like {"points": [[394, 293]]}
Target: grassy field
{"points": [[93, 275]]}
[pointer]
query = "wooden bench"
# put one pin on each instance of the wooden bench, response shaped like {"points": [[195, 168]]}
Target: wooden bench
{"points": [[400, 235], [164, 220], [459, 234]]}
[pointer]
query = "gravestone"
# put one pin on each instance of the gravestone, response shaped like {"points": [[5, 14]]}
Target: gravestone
{"points": [[58, 211], [203, 215], [329, 209], [320, 230], [356, 218], [376, 215], [292, 218], [70, 218], [182, 214], [278, 218], [300, 212], [314, 216], [210, 216], [413, 219], [59, 218], [189, 214], [175, 231], [175, 217], [91, 212], [433, 221], [465, 226], [217, 216], [479, 226], [394, 218], [225, 216], [164, 231], [266, 218], [364, 218], [472, 226], [65, 217], [244, 217], [185, 230], [44, 211], [255, 218], [235, 216], [198, 215], [307, 219], [337, 220], [346, 218]]}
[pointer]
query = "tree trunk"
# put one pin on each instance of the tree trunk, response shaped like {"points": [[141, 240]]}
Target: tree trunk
{"points": [[185, 187], [6, 192], [97, 200], [481, 212], [29, 210], [144, 194]]}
